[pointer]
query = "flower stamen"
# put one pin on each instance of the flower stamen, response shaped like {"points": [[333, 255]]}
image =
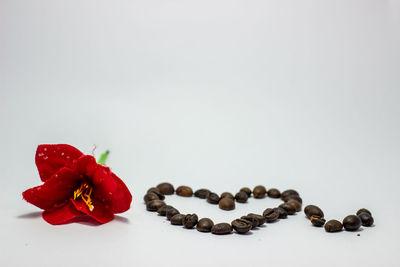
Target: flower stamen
{"points": [[85, 192]]}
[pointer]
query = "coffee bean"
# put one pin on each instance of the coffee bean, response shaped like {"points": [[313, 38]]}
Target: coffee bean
{"points": [[189, 221], [288, 192], [163, 210], [177, 219], [184, 191], [166, 188], [271, 215], [246, 190], [317, 220], [274, 193], [227, 194], [154, 205], [254, 222], [366, 219], [351, 223], [295, 197], [364, 210], [226, 203], [313, 210], [202, 193], [295, 204], [213, 198], [149, 197], [241, 226], [156, 191], [221, 229], [333, 226], [259, 191], [171, 213], [290, 209], [241, 197], [260, 218], [282, 213], [204, 225]]}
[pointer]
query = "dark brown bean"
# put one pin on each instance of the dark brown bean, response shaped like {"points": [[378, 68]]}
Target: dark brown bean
{"points": [[184, 191], [317, 220], [259, 191], [154, 205], [166, 188], [363, 210], [226, 203], [241, 197], [270, 215], [213, 198], [202, 193], [155, 190], [221, 229], [163, 210], [204, 225], [288, 192], [274, 193], [295, 204], [351, 223], [149, 197], [282, 213], [189, 221], [227, 194], [311, 210], [246, 190], [171, 213], [260, 218], [295, 197], [177, 219], [366, 219], [333, 226], [241, 226], [254, 222], [290, 209]]}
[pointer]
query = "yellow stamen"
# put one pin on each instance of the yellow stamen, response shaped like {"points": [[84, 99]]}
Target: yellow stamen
{"points": [[84, 192]]}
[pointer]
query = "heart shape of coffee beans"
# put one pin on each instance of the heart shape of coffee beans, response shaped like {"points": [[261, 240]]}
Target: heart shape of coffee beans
{"points": [[292, 203]]}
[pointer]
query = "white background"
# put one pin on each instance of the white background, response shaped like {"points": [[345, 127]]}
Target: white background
{"points": [[215, 94]]}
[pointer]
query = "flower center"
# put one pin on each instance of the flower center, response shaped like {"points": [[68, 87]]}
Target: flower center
{"points": [[84, 193]]}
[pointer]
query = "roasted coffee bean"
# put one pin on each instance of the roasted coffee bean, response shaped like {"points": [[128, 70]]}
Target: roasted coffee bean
{"points": [[295, 204], [274, 193], [156, 191], [259, 191], [366, 219], [290, 209], [149, 197], [260, 218], [166, 188], [213, 198], [271, 215], [254, 222], [282, 213], [189, 221], [295, 197], [163, 210], [287, 193], [154, 205], [184, 191], [241, 197], [364, 210], [202, 193], [226, 203], [351, 223], [204, 225], [177, 219], [317, 220], [311, 210], [171, 213], [227, 194], [221, 229], [241, 226], [246, 190], [333, 226]]}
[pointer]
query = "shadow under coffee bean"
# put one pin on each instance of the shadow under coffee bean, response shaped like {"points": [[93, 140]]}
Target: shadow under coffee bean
{"points": [[292, 203]]}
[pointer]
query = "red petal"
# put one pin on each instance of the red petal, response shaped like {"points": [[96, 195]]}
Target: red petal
{"points": [[62, 215], [111, 190], [50, 158], [55, 190], [100, 213], [86, 165]]}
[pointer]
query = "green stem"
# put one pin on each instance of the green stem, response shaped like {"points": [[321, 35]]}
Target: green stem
{"points": [[103, 157]]}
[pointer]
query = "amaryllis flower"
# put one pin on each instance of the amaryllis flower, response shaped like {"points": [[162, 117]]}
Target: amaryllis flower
{"points": [[75, 186]]}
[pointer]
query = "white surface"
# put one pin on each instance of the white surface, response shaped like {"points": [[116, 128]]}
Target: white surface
{"points": [[216, 94]]}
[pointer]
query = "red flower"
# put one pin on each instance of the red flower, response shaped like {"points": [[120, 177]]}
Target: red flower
{"points": [[75, 186]]}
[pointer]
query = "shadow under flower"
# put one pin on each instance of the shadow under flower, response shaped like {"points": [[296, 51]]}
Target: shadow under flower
{"points": [[30, 215]]}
